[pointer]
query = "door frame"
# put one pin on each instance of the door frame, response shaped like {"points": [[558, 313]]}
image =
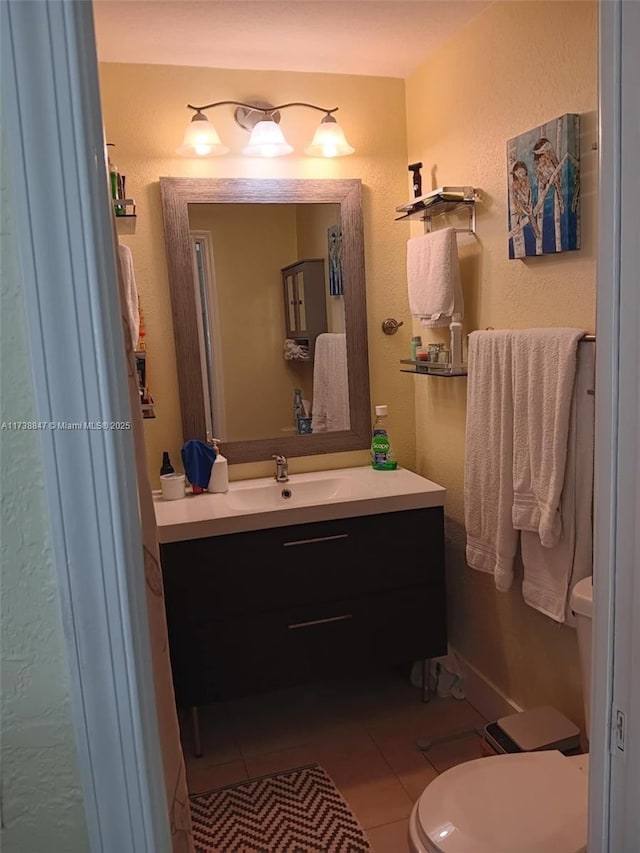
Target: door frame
{"points": [[52, 126], [614, 779], [62, 211]]}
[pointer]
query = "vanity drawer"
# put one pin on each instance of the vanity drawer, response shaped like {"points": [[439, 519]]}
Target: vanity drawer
{"points": [[316, 641], [287, 566]]}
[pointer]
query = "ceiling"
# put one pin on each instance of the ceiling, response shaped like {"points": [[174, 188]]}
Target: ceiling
{"points": [[387, 38]]}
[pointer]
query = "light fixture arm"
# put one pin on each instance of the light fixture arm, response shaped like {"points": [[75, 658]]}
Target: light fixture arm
{"points": [[261, 109], [262, 120]]}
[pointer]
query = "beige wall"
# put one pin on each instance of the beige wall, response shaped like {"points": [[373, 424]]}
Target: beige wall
{"points": [[515, 66], [314, 220], [145, 116]]}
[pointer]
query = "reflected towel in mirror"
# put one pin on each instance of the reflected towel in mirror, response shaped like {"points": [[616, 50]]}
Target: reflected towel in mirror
{"points": [[330, 407], [130, 309]]}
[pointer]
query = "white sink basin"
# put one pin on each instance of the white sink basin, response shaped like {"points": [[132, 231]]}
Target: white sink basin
{"points": [[318, 496], [295, 492]]}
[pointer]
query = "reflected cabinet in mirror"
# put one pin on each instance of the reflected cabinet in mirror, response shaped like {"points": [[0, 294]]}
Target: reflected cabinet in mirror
{"points": [[269, 310]]}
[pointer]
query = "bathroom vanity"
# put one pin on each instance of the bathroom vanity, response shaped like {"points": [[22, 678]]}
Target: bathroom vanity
{"points": [[265, 590]]}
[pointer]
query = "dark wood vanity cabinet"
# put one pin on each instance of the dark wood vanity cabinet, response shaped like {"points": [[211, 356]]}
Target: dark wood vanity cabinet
{"points": [[249, 612]]}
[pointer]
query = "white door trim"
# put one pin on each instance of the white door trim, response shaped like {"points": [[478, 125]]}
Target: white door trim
{"points": [[614, 822], [51, 116], [53, 129]]}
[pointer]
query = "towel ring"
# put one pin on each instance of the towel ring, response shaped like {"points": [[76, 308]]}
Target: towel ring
{"points": [[390, 326]]}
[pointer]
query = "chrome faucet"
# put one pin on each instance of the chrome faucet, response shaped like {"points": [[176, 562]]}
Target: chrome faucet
{"points": [[282, 468]]}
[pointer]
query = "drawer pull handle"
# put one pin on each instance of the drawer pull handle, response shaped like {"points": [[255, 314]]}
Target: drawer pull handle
{"points": [[320, 621], [316, 539]]}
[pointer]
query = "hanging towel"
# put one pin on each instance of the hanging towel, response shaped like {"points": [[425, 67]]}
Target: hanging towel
{"points": [[550, 573], [433, 278], [198, 459], [130, 308], [488, 483], [330, 407], [544, 368]]}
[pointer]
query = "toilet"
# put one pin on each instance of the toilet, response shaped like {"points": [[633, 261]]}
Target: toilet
{"points": [[528, 802]]}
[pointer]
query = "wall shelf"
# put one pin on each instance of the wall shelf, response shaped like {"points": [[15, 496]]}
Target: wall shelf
{"points": [[442, 201], [424, 368], [125, 210]]}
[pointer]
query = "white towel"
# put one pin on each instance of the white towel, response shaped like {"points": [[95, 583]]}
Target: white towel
{"points": [[433, 278], [488, 473], [544, 367], [549, 573], [330, 407], [131, 293]]}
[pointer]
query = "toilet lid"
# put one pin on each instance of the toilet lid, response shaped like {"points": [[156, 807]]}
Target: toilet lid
{"points": [[533, 802]]}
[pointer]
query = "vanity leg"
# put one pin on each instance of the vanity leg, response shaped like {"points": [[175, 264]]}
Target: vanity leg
{"points": [[425, 679], [195, 731]]}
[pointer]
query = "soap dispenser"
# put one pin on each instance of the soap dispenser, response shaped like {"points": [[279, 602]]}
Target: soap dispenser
{"points": [[219, 480]]}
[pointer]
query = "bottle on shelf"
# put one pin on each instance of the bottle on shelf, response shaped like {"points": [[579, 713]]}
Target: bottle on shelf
{"points": [[116, 182], [455, 355], [219, 480], [167, 467], [416, 343], [381, 455], [141, 346]]}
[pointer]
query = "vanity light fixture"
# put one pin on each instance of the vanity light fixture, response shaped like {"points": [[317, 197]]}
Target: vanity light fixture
{"points": [[267, 139]]}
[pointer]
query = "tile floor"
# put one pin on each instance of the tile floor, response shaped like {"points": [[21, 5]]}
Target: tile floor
{"points": [[363, 732]]}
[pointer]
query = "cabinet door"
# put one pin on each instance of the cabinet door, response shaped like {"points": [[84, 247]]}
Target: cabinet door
{"points": [[300, 302], [317, 641], [290, 304]]}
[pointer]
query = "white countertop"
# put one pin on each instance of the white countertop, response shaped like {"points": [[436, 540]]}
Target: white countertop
{"points": [[347, 492]]}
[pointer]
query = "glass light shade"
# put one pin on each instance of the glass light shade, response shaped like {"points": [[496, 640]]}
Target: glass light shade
{"points": [[201, 139], [329, 140], [267, 140]]}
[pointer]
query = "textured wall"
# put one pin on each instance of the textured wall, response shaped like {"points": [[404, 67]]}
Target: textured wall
{"points": [[515, 66], [145, 116], [41, 798]]}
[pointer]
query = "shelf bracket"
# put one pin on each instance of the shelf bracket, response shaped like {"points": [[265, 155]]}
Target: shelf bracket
{"points": [[471, 212]]}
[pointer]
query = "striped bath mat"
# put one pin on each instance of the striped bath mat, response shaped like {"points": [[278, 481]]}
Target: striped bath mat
{"points": [[297, 811]]}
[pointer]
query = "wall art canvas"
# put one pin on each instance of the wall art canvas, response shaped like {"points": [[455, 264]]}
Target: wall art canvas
{"points": [[543, 168], [336, 285]]}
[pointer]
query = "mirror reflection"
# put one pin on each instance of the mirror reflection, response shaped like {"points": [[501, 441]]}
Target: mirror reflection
{"points": [[267, 287], [271, 321]]}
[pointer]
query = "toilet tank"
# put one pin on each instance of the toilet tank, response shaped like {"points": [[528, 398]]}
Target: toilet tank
{"points": [[582, 607]]}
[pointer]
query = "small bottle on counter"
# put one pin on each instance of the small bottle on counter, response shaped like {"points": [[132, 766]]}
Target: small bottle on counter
{"points": [[298, 407], [167, 467], [219, 480], [381, 456]]}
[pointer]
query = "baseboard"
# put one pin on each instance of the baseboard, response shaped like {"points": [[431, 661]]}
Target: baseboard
{"points": [[485, 697]]}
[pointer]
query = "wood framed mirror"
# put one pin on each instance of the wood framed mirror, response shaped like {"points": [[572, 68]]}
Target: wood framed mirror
{"points": [[196, 324]]}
